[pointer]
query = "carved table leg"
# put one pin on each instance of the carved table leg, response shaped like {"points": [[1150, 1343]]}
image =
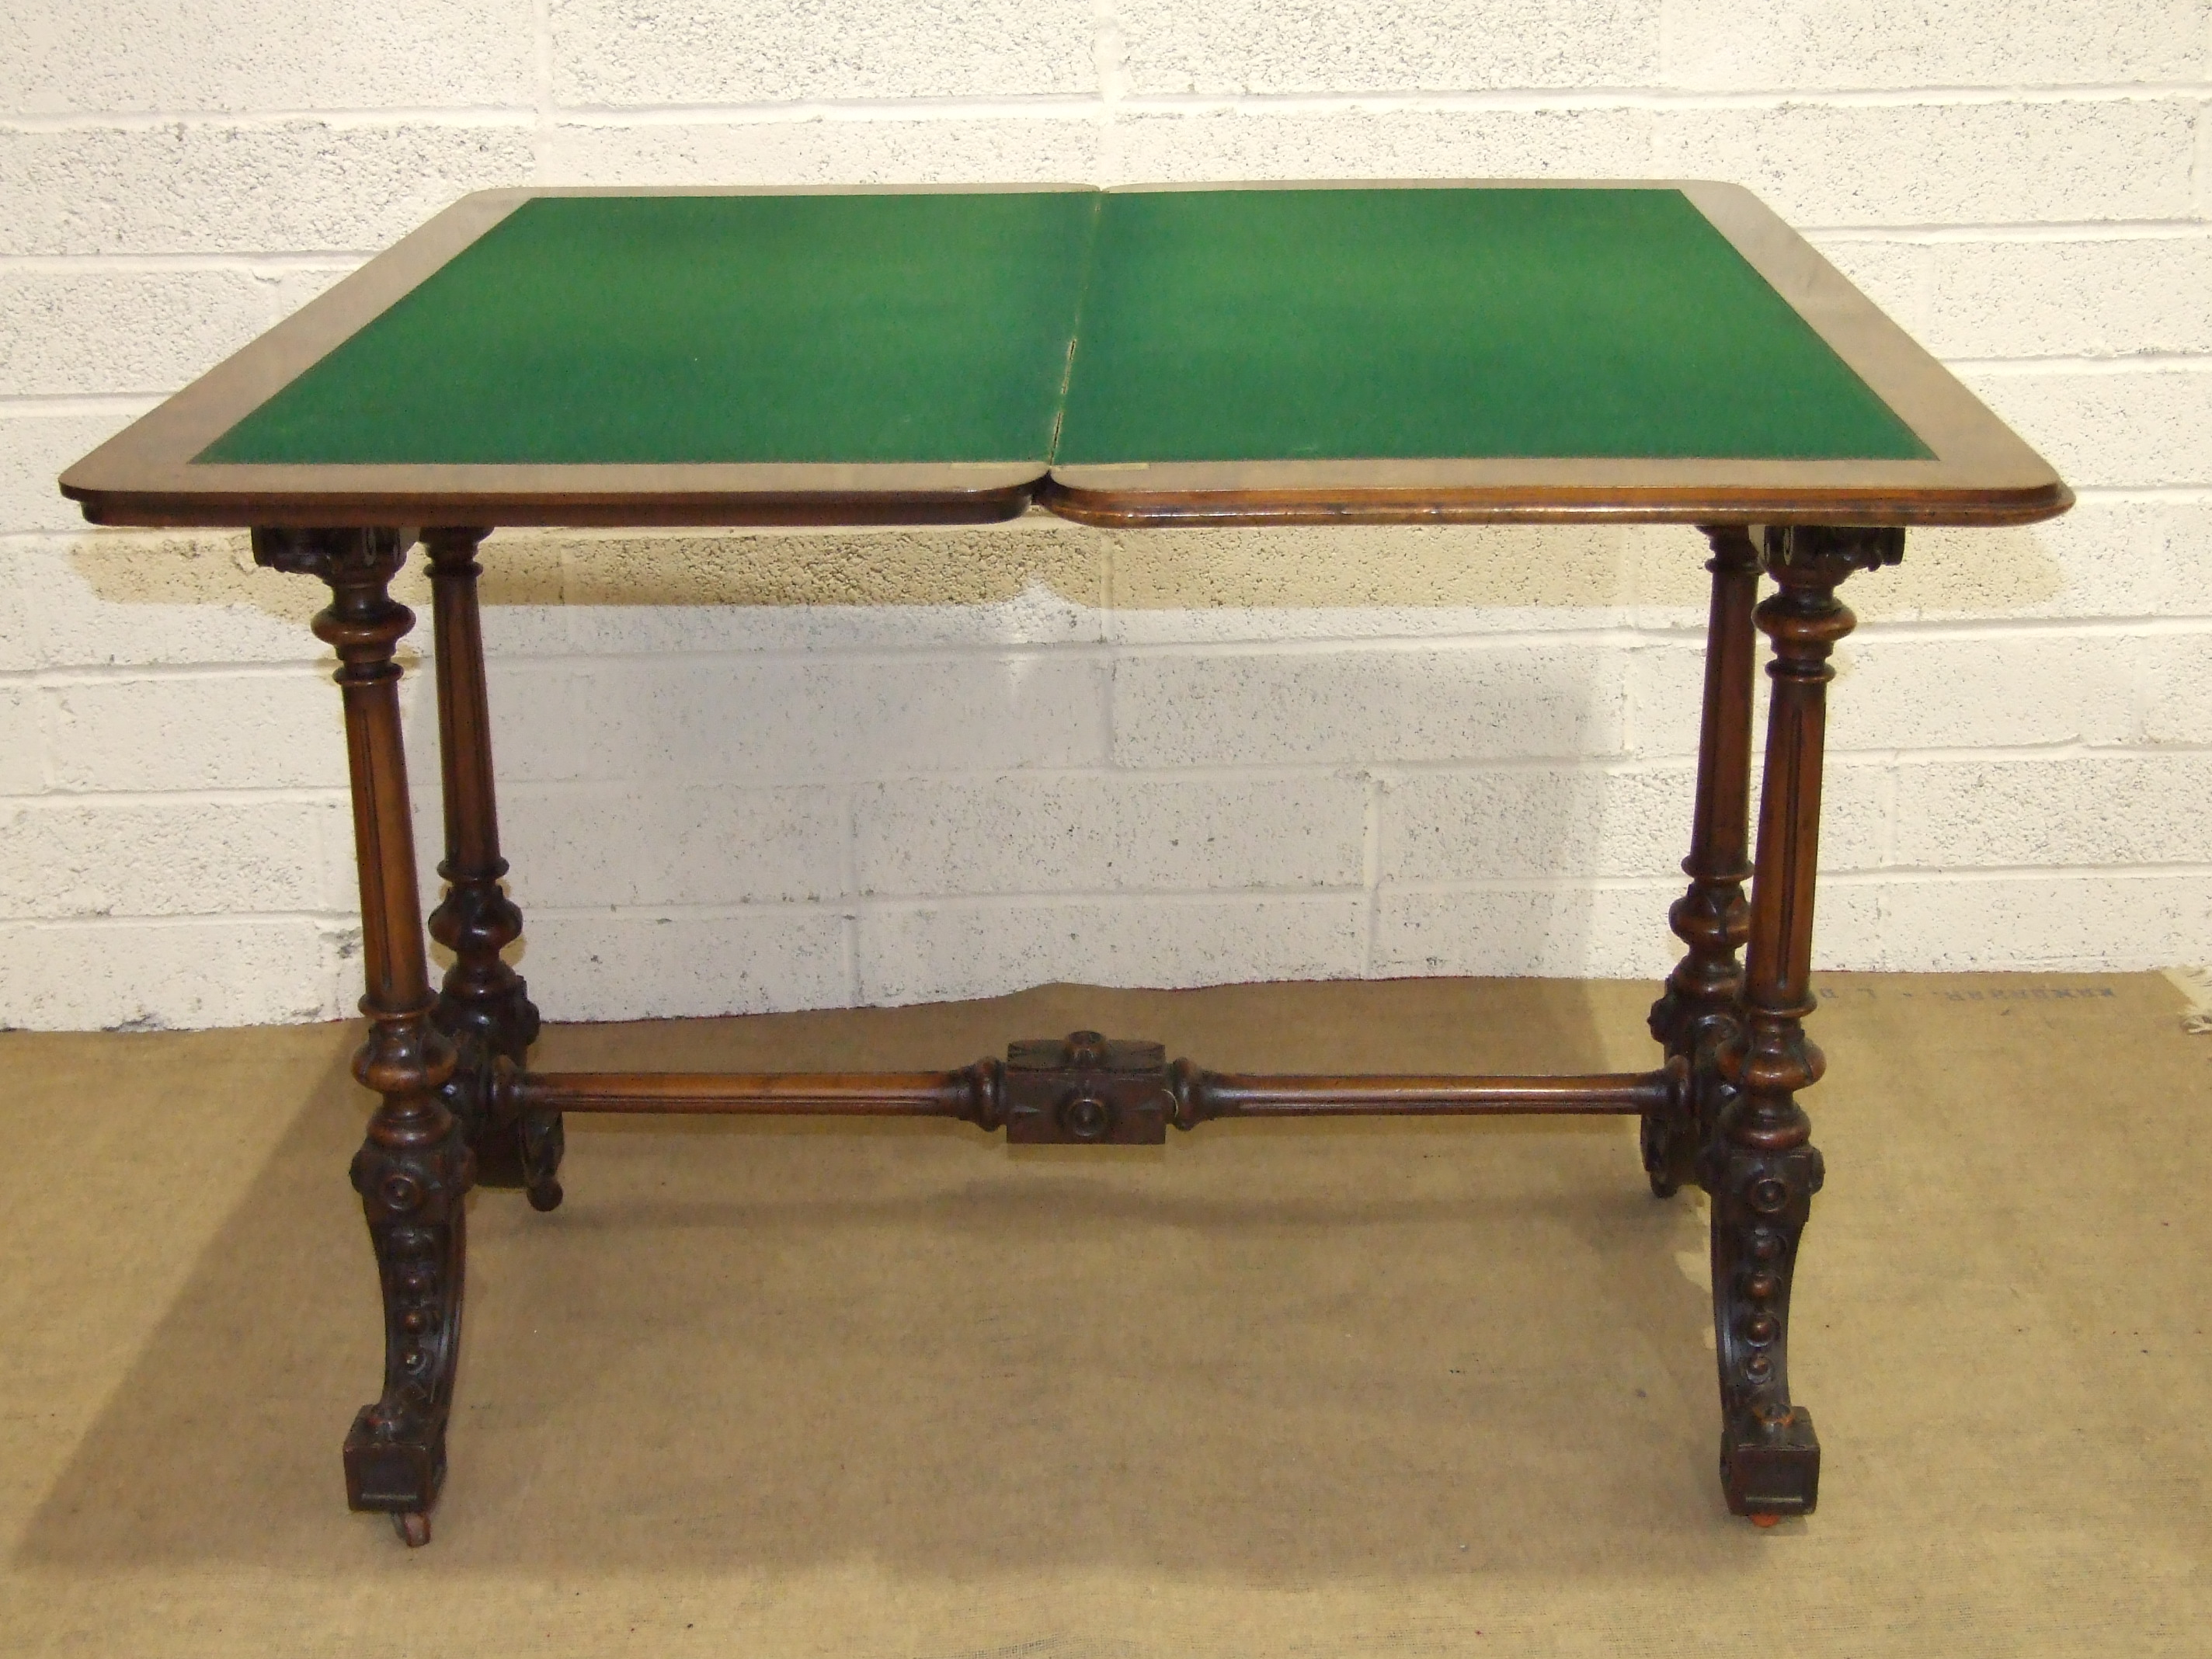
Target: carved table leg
{"points": [[414, 1167], [1761, 1165], [1697, 1011], [482, 1006]]}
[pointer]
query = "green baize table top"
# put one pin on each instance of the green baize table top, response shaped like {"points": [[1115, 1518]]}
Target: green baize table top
{"points": [[1084, 328]]}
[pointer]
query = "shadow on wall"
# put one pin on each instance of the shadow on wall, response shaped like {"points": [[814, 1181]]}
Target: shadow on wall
{"points": [[1423, 568]]}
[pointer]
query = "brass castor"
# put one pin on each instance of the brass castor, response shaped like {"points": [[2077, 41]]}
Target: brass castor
{"points": [[413, 1527], [1756, 1520]]}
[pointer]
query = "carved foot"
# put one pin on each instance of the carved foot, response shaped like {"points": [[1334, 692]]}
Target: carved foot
{"points": [[1769, 1456], [1770, 1470], [395, 1454]]}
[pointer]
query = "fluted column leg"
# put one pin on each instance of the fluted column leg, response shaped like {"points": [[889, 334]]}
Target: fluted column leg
{"points": [[1698, 1009], [414, 1167], [484, 1005], [1761, 1165]]}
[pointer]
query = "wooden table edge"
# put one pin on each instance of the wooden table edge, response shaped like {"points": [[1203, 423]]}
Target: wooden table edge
{"points": [[145, 475], [1512, 504], [579, 509]]}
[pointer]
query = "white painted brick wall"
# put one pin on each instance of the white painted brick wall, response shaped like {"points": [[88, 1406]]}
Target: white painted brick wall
{"points": [[756, 771]]}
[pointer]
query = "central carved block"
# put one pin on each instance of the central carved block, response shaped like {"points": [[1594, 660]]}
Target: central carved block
{"points": [[1087, 1090]]}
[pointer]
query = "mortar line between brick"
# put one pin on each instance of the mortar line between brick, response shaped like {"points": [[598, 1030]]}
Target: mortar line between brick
{"points": [[338, 919], [1314, 896], [1370, 872], [1050, 106], [457, 115], [242, 262], [889, 904], [51, 406], [1942, 875], [2044, 230], [1585, 98], [1599, 767], [1886, 855], [1187, 898], [894, 107], [2132, 363], [59, 799]]}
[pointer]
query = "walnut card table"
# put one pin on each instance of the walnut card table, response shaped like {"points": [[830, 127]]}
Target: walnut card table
{"points": [[1376, 354]]}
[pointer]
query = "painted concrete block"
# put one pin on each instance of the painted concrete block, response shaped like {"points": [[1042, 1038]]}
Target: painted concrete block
{"points": [[803, 719], [2177, 693], [692, 52], [1942, 163], [597, 966], [22, 747], [275, 729], [1982, 690], [126, 598], [19, 643], [173, 975], [1332, 582], [2182, 555], [92, 331], [1574, 824], [1092, 833], [2079, 811], [1894, 274], [535, 722], [1357, 46], [76, 857], [1035, 580], [1612, 931], [1892, 691], [1266, 142], [1844, 45], [2102, 559], [947, 147], [119, 56], [580, 844], [301, 187], [2103, 921], [1319, 707], [979, 948], [2123, 428], [34, 448], [2078, 297]]}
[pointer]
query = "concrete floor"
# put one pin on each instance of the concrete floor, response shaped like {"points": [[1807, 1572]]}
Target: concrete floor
{"points": [[785, 1389]]}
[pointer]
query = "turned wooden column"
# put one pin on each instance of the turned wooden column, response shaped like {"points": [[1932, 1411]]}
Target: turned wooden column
{"points": [[1712, 919], [483, 1004], [1761, 1165], [414, 1167]]}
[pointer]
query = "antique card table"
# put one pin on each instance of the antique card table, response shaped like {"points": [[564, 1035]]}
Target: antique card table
{"points": [[1501, 353]]}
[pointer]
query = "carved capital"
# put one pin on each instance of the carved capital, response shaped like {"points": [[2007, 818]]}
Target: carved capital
{"points": [[362, 622], [1826, 554], [335, 556]]}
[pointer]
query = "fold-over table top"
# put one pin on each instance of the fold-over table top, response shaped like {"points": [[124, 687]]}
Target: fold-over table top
{"points": [[1210, 355]]}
